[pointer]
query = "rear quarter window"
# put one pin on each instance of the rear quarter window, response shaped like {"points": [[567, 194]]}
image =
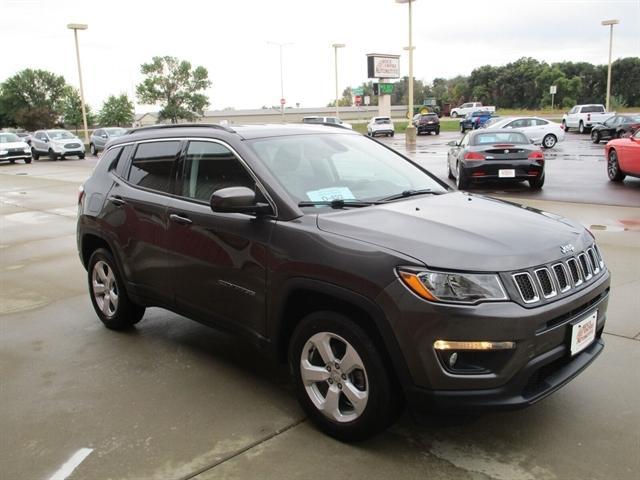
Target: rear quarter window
{"points": [[153, 164]]}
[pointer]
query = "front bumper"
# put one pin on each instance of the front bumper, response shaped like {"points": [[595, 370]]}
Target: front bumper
{"points": [[539, 364], [15, 156], [60, 150]]}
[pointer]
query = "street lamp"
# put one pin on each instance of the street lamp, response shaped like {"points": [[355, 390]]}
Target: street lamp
{"points": [[410, 134], [282, 100], [610, 23], [336, 46], [75, 27]]}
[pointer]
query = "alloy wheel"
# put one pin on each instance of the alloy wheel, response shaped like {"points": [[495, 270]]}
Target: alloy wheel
{"points": [[334, 377], [105, 288]]}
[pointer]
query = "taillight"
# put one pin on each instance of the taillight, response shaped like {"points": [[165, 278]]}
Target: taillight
{"points": [[588, 117], [80, 194], [536, 155], [473, 156]]}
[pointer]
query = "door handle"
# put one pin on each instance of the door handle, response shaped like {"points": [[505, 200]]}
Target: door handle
{"points": [[117, 201], [179, 219]]}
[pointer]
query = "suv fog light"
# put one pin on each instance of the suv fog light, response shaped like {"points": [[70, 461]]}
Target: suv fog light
{"points": [[452, 359], [450, 345]]}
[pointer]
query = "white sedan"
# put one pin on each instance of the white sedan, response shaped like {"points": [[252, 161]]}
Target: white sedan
{"points": [[540, 131]]}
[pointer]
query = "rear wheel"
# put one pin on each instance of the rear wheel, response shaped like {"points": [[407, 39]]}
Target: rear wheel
{"points": [[595, 136], [613, 167], [462, 182], [549, 141], [536, 183], [108, 295], [92, 149], [454, 115], [392, 133], [581, 127], [620, 134], [461, 129], [449, 172], [340, 377]]}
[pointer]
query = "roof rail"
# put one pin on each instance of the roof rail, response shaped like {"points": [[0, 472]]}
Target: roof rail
{"points": [[180, 125]]}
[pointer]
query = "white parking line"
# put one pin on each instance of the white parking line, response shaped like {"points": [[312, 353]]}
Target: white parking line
{"points": [[70, 465]]}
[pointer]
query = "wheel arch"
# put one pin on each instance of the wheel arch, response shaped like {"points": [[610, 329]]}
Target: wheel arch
{"points": [[304, 296]]}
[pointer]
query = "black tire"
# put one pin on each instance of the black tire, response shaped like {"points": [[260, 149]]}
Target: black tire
{"points": [[438, 131], [462, 129], [549, 141], [92, 149], [595, 136], [81, 156], [392, 134], [581, 128], [613, 167], [454, 115], [462, 181], [12, 161], [125, 313], [449, 172], [34, 154], [564, 126], [27, 160], [53, 155], [383, 403], [536, 183], [620, 134]]}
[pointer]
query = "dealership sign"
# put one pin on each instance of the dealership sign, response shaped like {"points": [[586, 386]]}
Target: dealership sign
{"points": [[383, 66]]}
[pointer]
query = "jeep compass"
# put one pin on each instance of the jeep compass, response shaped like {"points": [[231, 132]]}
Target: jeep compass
{"points": [[376, 283]]}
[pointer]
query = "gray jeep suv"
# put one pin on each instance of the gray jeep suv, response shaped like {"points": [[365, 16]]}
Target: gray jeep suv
{"points": [[378, 285]]}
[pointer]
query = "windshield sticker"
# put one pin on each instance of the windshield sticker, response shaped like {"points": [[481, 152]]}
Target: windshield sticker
{"points": [[330, 194]]}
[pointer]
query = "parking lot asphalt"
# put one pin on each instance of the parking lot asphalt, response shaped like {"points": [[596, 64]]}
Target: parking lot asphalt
{"points": [[174, 400]]}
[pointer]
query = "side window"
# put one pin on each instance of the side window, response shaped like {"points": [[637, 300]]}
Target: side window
{"points": [[110, 157], [539, 122], [152, 165], [97, 133], [209, 167], [573, 110]]}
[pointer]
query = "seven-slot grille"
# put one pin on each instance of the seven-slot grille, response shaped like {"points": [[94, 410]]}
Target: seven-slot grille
{"points": [[72, 145], [547, 282]]}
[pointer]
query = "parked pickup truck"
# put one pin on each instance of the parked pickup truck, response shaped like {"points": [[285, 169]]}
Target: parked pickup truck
{"points": [[583, 117], [469, 107]]}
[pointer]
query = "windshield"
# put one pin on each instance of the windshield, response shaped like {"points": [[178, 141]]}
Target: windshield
{"points": [[8, 137], [382, 121], [347, 167], [115, 132], [498, 137], [59, 134]]}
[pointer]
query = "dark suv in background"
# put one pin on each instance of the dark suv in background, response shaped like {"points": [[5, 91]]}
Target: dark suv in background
{"points": [[375, 282], [427, 123]]}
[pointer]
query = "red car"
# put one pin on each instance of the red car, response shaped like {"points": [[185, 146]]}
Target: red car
{"points": [[623, 157]]}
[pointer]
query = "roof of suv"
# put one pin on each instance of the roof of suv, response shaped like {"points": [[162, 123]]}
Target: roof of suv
{"points": [[245, 132]]}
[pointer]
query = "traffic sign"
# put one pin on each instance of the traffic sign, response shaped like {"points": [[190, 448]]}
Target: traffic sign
{"points": [[357, 91], [553, 89], [282, 101], [358, 99], [367, 100]]}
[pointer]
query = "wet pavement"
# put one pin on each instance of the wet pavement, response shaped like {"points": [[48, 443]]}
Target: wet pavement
{"points": [[172, 399]]}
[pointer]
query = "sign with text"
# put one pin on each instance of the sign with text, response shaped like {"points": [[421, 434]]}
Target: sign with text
{"points": [[383, 66], [357, 91], [553, 89], [382, 88]]}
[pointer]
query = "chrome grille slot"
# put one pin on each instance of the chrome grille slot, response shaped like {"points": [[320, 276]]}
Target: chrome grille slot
{"points": [[599, 255], [575, 271], [586, 270], [595, 265], [562, 277], [546, 284], [526, 287]]}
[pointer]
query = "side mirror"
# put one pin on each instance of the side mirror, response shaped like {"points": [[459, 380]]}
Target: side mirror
{"points": [[45, 140], [531, 141], [453, 143], [237, 200], [104, 135]]}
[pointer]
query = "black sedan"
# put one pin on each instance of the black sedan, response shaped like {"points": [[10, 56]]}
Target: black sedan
{"points": [[617, 126], [495, 155]]}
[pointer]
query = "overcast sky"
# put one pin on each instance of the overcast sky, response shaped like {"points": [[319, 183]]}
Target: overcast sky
{"points": [[230, 38]]}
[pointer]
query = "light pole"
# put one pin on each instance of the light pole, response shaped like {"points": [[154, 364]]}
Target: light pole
{"points": [[282, 100], [336, 46], [75, 27], [410, 134], [610, 23]]}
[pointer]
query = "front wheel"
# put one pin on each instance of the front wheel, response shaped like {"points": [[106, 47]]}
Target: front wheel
{"points": [[108, 295], [564, 126], [536, 183], [549, 141], [438, 131], [81, 156], [53, 155], [595, 136], [613, 167], [340, 377], [454, 115], [34, 154], [27, 160]]}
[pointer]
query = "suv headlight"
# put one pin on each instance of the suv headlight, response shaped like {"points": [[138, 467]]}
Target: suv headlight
{"points": [[4, 152], [454, 287]]}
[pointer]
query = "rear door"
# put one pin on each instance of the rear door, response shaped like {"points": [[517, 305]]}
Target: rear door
{"points": [[217, 261], [137, 204]]}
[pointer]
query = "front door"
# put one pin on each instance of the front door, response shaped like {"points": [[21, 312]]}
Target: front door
{"points": [[218, 261]]}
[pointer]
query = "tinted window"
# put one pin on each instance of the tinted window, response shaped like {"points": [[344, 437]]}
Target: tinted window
{"points": [[539, 122], [152, 165], [110, 157], [593, 109], [121, 165], [97, 133], [209, 167]]}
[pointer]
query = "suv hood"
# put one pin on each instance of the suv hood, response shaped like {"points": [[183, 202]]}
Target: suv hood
{"points": [[459, 231], [23, 145]]}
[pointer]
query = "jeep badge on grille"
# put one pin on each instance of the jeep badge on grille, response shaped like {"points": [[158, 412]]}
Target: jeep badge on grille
{"points": [[568, 248]]}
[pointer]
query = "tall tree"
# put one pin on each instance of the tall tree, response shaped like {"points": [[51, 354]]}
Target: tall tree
{"points": [[71, 110], [175, 86], [117, 111], [32, 99]]}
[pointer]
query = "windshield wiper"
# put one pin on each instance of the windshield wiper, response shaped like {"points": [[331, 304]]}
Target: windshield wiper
{"points": [[337, 203], [408, 193]]}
